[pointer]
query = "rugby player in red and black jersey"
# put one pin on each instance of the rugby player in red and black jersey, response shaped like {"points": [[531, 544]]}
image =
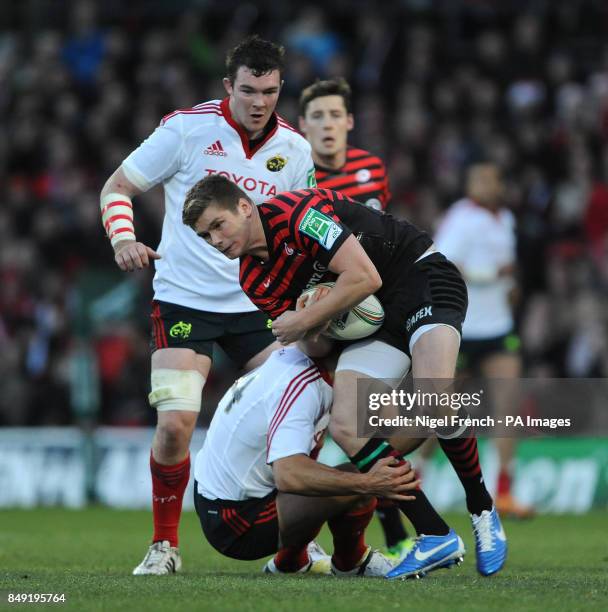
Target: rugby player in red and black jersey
{"points": [[325, 119], [288, 244]]}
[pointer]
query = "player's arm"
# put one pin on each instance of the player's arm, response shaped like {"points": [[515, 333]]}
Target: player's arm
{"points": [[289, 442], [117, 217], [357, 279], [154, 161], [301, 475]]}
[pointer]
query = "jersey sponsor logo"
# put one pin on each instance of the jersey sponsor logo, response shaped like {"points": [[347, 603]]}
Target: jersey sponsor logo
{"points": [[317, 275], [216, 149], [181, 330], [266, 283], [311, 178], [276, 163], [248, 183], [320, 227], [363, 175], [288, 249], [424, 312]]}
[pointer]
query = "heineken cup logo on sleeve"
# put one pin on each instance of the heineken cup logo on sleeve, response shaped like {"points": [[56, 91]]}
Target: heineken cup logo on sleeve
{"points": [[321, 228]]}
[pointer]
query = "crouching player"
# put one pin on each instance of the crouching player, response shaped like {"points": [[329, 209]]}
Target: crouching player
{"points": [[259, 491]]}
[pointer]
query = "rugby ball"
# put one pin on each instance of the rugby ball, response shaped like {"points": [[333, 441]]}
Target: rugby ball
{"points": [[362, 321]]}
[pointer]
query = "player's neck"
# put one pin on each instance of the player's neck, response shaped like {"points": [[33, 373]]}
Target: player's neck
{"points": [[334, 161]]}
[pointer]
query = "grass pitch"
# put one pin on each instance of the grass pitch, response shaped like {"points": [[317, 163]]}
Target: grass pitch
{"points": [[555, 563]]}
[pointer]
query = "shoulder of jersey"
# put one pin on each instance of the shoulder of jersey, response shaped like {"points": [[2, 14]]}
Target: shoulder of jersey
{"points": [[462, 204], [204, 112], [461, 211], [509, 216], [294, 357], [290, 133], [354, 154]]}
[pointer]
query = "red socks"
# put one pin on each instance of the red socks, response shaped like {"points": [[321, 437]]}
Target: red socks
{"points": [[294, 558], [504, 483], [168, 485], [348, 531], [291, 558]]}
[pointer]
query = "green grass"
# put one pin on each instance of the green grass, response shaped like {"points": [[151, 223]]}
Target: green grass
{"points": [[555, 563]]}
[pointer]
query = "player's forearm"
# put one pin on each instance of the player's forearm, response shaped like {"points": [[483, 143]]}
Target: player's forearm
{"points": [[117, 209], [301, 475], [352, 286]]}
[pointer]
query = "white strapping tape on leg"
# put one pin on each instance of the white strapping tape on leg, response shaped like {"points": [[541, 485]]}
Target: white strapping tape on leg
{"points": [[176, 389], [374, 358]]}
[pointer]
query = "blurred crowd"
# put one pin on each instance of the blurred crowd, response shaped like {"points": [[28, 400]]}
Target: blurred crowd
{"points": [[438, 85]]}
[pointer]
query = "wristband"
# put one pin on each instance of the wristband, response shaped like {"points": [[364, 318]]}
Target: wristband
{"points": [[117, 217]]}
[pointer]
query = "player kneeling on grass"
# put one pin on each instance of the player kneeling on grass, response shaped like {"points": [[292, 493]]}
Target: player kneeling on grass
{"points": [[259, 489]]}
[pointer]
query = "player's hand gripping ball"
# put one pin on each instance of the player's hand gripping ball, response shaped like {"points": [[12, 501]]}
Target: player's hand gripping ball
{"points": [[359, 322]]}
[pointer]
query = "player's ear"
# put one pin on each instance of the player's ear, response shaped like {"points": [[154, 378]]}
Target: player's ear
{"points": [[228, 85], [245, 207], [302, 124], [350, 121]]}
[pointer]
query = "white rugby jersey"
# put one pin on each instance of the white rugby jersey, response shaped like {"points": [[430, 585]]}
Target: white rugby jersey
{"points": [[480, 242], [280, 409], [187, 146]]}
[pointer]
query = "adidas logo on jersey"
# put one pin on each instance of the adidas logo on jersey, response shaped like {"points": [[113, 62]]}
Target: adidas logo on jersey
{"points": [[215, 149]]}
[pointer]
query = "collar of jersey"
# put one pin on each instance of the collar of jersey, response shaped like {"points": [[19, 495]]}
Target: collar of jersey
{"points": [[341, 168], [249, 153]]}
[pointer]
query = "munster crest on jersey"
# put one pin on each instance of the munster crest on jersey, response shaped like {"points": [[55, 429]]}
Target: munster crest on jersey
{"points": [[276, 163]]}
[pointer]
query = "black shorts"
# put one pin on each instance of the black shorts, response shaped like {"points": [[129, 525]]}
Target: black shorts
{"points": [[242, 335], [244, 530], [430, 291], [473, 352]]}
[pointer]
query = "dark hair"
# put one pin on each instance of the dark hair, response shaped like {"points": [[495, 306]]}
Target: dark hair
{"points": [[213, 189], [259, 55], [332, 87]]}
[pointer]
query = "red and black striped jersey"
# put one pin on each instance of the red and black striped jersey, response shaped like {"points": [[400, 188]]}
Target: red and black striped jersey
{"points": [[304, 230], [363, 177]]}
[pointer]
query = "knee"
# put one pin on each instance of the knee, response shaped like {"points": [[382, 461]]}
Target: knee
{"points": [[174, 431]]}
